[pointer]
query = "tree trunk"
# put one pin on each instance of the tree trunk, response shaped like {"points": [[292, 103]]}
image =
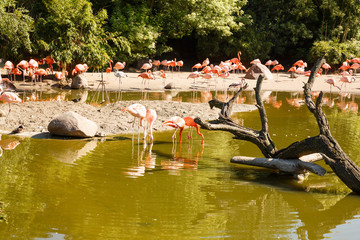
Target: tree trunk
{"points": [[324, 143]]}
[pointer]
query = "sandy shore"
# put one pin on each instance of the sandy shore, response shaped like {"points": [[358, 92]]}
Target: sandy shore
{"points": [[281, 82], [35, 116]]}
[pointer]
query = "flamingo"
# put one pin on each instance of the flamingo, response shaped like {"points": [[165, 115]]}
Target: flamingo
{"points": [[156, 63], [172, 64], [179, 64], [268, 63], [80, 68], [278, 68], [236, 60], [119, 75], [326, 66], [332, 82], [177, 123], [189, 121], [146, 76], [49, 60], [240, 84], [355, 66], [41, 72], [163, 75], [9, 66], [108, 70], [9, 97], [197, 66], [299, 63], [255, 61], [136, 110], [120, 65], [150, 118], [194, 75], [205, 62], [346, 79], [147, 66], [24, 66]]}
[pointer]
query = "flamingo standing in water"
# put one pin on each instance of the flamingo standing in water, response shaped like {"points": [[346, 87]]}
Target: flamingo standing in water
{"points": [[189, 121], [177, 123], [150, 118], [9, 97]]}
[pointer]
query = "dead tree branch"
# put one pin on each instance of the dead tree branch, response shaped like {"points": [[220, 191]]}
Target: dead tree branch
{"points": [[289, 159]]}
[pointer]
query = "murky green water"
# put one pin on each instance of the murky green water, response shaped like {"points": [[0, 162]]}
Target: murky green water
{"points": [[121, 189]]}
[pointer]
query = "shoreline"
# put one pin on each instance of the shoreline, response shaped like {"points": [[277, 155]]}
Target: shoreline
{"points": [[35, 116]]}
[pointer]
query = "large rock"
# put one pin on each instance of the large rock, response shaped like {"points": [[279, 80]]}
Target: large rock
{"points": [[71, 124], [256, 69], [79, 82]]}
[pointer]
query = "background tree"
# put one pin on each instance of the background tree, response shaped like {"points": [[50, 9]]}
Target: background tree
{"points": [[73, 34], [16, 26]]}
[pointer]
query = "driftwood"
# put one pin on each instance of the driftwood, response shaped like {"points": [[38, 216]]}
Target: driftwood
{"points": [[324, 143]]}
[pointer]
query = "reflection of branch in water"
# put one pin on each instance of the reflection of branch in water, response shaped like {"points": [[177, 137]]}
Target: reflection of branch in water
{"points": [[316, 221]]}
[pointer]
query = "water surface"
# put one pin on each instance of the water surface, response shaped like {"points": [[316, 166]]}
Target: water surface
{"points": [[123, 189]]}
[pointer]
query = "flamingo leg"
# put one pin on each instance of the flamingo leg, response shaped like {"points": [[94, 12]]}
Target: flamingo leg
{"points": [[8, 113]]}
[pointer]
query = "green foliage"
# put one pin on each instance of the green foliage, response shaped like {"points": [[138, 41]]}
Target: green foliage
{"points": [[335, 52], [340, 20], [16, 26], [73, 34], [279, 27], [132, 22], [78, 31]]}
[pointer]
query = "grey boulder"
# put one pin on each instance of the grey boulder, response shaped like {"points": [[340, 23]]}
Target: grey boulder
{"points": [[71, 124]]}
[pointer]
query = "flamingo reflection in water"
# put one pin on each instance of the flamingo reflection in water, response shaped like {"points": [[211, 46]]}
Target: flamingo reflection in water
{"points": [[144, 163], [8, 144]]}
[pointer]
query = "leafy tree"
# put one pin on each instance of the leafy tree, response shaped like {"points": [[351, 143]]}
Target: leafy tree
{"points": [[335, 52], [340, 20], [73, 34], [132, 21], [280, 27], [16, 26]]}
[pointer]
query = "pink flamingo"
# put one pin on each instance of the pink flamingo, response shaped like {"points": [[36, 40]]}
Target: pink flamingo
{"points": [[9, 97], [205, 62], [177, 123], [9, 66], [346, 79], [197, 66], [150, 117], [163, 75], [120, 65], [136, 110], [194, 75], [147, 66], [108, 70], [332, 82], [326, 66], [146, 76], [189, 121]]}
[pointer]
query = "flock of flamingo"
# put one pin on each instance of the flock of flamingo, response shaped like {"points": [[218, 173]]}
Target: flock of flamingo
{"points": [[204, 70]]}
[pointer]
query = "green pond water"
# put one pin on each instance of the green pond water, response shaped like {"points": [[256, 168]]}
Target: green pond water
{"points": [[122, 189]]}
